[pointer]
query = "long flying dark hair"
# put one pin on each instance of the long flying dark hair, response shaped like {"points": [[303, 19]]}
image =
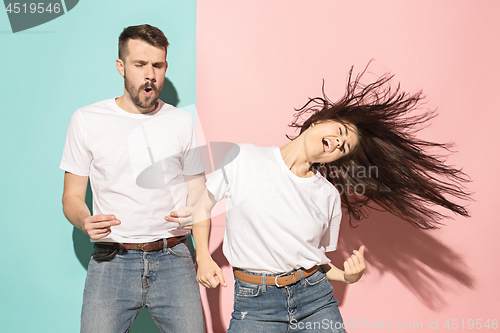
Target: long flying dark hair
{"points": [[389, 166]]}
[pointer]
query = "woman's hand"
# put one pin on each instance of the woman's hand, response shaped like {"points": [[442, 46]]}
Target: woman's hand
{"points": [[209, 273], [355, 265]]}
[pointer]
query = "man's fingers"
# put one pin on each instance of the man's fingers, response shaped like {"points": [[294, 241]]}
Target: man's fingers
{"points": [[107, 224], [102, 217], [179, 219], [99, 226], [181, 212], [99, 233]]}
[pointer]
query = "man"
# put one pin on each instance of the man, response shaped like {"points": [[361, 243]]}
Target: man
{"points": [[141, 157]]}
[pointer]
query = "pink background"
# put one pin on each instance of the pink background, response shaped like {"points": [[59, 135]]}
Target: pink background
{"points": [[258, 60]]}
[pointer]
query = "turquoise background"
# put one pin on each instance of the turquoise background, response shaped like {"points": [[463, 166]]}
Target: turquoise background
{"points": [[47, 72]]}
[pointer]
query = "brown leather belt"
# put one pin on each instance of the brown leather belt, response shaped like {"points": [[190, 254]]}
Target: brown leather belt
{"points": [[146, 247], [282, 280]]}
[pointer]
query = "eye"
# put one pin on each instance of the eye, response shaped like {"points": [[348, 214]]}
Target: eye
{"points": [[340, 131]]}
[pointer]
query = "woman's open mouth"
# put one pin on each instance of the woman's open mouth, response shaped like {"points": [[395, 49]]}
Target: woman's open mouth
{"points": [[328, 146]]}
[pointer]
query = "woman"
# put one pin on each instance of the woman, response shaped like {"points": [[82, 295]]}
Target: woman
{"points": [[283, 204]]}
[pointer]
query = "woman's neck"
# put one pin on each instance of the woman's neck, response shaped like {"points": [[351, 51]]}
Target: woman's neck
{"points": [[294, 156]]}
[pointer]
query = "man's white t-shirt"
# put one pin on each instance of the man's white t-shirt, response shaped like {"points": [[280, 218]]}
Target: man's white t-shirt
{"points": [[136, 164], [275, 220]]}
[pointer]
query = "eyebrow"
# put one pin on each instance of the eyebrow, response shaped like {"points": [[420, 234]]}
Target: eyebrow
{"points": [[347, 133], [158, 63]]}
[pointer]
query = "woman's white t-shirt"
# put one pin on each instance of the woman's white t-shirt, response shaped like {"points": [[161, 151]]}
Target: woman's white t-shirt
{"points": [[275, 220]]}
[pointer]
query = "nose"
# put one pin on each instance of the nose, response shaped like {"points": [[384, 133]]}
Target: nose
{"points": [[150, 74], [339, 142]]}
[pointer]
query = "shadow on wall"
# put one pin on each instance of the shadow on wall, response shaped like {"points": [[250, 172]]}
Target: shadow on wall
{"points": [[143, 323], [169, 93], [423, 264]]}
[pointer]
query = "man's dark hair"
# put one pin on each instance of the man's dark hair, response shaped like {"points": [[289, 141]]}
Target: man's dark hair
{"points": [[410, 178], [144, 32]]}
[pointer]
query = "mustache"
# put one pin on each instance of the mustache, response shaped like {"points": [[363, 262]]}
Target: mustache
{"points": [[149, 85]]}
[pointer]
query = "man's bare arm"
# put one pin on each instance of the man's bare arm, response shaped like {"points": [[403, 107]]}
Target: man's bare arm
{"points": [[76, 211]]}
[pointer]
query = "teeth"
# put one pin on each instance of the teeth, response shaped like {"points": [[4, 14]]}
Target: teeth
{"points": [[328, 144]]}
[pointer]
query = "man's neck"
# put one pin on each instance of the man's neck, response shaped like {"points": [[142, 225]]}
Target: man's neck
{"points": [[126, 104]]}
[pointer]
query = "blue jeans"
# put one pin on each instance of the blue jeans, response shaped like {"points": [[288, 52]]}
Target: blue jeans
{"points": [[163, 281], [306, 306]]}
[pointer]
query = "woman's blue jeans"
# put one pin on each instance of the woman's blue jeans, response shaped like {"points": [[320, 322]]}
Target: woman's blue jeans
{"points": [[306, 306], [163, 281]]}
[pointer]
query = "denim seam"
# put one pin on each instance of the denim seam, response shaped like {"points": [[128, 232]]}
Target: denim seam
{"points": [[156, 324], [129, 326]]}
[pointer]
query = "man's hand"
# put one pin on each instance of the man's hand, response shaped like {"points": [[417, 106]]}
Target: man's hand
{"points": [[209, 273], [76, 210], [183, 216], [99, 226], [354, 266]]}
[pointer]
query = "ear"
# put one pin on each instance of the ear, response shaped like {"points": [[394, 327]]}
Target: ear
{"points": [[120, 66], [166, 65]]}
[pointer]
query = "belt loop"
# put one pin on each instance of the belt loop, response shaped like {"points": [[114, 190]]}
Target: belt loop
{"points": [[263, 282], [122, 249], [301, 276], [165, 245]]}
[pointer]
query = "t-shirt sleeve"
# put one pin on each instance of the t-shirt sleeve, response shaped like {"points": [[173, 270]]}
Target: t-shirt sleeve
{"points": [[193, 161], [220, 182], [330, 237], [76, 158]]}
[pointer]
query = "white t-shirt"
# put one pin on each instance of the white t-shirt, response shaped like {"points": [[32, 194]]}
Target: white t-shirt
{"points": [[136, 164], [275, 220]]}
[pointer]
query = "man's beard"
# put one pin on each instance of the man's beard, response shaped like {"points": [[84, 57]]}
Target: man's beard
{"points": [[135, 94]]}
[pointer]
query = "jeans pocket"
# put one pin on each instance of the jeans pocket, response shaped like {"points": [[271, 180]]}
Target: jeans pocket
{"points": [[243, 289], [316, 278], [104, 253], [180, 250]]}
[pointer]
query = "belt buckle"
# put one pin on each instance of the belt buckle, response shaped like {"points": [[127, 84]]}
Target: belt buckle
{"points": [[142, 247], [276, 279]]}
